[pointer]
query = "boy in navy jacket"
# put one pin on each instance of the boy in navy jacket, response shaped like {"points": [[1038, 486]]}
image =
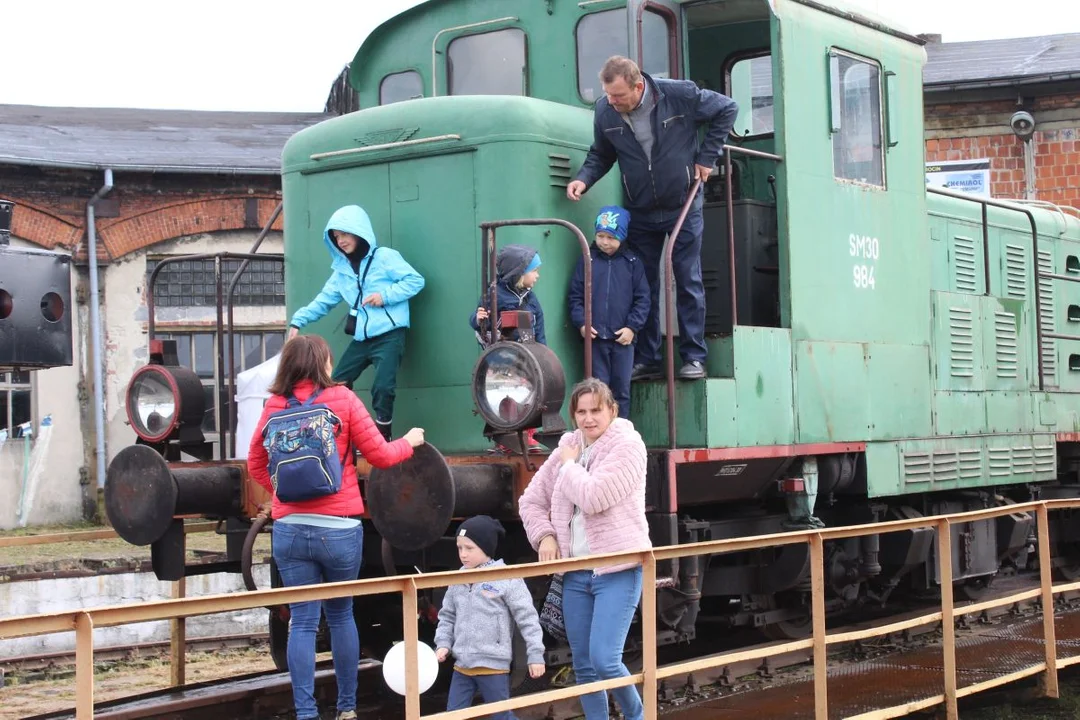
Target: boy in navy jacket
{"points": [[620, 303]]}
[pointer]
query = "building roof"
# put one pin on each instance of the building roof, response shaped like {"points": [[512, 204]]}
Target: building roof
{"points": [[179, 141], [1015, 61]]}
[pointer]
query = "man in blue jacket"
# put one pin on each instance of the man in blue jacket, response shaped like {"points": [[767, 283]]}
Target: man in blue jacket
{"points": [[650, 126], [377, 283]]}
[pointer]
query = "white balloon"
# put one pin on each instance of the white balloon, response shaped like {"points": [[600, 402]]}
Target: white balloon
{"points": [[393, 667]]}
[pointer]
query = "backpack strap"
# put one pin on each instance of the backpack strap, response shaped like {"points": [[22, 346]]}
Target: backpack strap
{"points": [[362, 279]]}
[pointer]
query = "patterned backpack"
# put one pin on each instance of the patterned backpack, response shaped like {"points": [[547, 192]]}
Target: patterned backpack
{"points": [[301, 442]]}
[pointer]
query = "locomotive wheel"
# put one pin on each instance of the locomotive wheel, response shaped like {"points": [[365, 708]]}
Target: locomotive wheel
{"points": [[279, 628], [1066, 559], [279, 642], [520, 682], [795, 629], [974, 589]]}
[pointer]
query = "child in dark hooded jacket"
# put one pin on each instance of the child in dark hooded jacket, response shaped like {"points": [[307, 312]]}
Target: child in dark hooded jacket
{"points": [[518, 269]]}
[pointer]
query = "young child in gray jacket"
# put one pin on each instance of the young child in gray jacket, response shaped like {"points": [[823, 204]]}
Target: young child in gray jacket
{"points": [[476, 623]]}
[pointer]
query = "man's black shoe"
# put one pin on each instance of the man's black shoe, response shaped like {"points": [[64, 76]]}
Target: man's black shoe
{"points": [[641, 371], [692, 370]]}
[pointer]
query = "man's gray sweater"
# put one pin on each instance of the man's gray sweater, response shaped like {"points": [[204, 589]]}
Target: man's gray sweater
{"points": [[476, 622]]}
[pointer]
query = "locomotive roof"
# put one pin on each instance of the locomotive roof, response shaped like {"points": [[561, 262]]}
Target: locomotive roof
{"points": [[1015, 61], [180, 141], [468, 119]]}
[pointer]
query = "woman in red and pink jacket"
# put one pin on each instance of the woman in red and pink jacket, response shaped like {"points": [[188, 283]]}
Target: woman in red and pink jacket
{"points": [[589, 499], [321, 540]]}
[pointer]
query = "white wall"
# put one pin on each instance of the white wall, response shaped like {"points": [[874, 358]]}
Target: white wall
{"points": [[59, 595]]}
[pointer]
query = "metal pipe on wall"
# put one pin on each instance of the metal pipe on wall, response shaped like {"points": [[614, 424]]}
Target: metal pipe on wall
{"points": [[96, 330], [1030, 191]]}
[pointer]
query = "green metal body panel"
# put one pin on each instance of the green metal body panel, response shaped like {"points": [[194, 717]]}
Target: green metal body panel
{"points": [[936, 359], [749, 404], [934, 465], [705, 413], [427, 202]]}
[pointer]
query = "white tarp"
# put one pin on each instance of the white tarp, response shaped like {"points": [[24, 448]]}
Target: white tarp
{"points": [[252, 390]]}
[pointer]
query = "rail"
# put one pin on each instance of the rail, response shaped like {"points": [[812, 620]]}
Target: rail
{"points": [[229, 310], [84, 621], [177, 630], [669, 272], [490, 277], [219, 331], [86, 535]]}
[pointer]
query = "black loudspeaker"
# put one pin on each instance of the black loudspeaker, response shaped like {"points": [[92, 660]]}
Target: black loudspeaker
{"points": [[35, 308]]}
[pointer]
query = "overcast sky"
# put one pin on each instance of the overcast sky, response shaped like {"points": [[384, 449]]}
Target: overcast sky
{"points": [[276, 56]]}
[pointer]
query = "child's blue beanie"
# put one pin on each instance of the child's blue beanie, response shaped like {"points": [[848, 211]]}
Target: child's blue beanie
{"points": [[613, 220], [533, 264]]}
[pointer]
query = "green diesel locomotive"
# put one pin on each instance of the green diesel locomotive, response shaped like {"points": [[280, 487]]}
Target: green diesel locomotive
{"points": [[877, 349]]}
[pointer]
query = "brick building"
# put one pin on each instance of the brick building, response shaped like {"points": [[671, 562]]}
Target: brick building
{"points": [[972, 92], [183, 182]]}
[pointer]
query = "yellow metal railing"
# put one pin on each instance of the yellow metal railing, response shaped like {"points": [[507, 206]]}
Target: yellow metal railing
{"points": [[84, 621]]}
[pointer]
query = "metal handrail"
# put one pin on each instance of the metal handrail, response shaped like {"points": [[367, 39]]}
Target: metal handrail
{"points": [[985, 202], [669, 272], [490, 277], [229, 304], [219, 327], [84, 621]]}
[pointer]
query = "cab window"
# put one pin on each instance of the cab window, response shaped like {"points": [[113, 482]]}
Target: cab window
{"points": [[856, 119], [656, 44], [749, 83], [599, 36], [491, 63], [400, 86]]}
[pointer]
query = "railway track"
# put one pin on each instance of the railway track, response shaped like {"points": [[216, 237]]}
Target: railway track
{"points": [[58, 664], [902, 665]]}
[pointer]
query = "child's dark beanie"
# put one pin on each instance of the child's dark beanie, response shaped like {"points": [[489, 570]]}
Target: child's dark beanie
{"points": [[484, 531]]}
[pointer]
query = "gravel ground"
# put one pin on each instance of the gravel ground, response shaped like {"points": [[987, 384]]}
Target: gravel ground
{"points": [[116, 680]]}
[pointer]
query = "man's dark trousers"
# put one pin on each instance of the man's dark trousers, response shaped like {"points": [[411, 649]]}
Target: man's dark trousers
{"points": [[646, 238], [384, 352], [613, 363]]}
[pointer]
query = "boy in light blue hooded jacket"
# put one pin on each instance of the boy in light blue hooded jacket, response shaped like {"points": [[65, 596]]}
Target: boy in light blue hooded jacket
{"points": [[376, 283]]}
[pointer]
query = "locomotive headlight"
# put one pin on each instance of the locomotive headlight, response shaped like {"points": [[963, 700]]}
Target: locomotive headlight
{"points": [[162, 400], [518, 386]]}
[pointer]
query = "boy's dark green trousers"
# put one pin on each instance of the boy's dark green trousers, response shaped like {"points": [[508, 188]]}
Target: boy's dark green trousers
{"points": [[384, 352]]}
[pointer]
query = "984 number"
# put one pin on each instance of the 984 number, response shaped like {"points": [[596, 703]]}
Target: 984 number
{"points": [[863, 276]]}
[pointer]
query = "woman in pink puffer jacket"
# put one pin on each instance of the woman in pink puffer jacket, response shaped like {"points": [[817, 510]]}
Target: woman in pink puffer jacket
{"points": [[589, 499]]}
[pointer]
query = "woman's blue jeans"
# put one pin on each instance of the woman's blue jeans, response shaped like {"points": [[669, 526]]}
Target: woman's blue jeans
{"points": [[308, 555], [597, 610]]}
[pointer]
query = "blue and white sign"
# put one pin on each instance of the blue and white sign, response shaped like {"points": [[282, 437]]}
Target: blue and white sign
{"points": [[966, 176]]}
